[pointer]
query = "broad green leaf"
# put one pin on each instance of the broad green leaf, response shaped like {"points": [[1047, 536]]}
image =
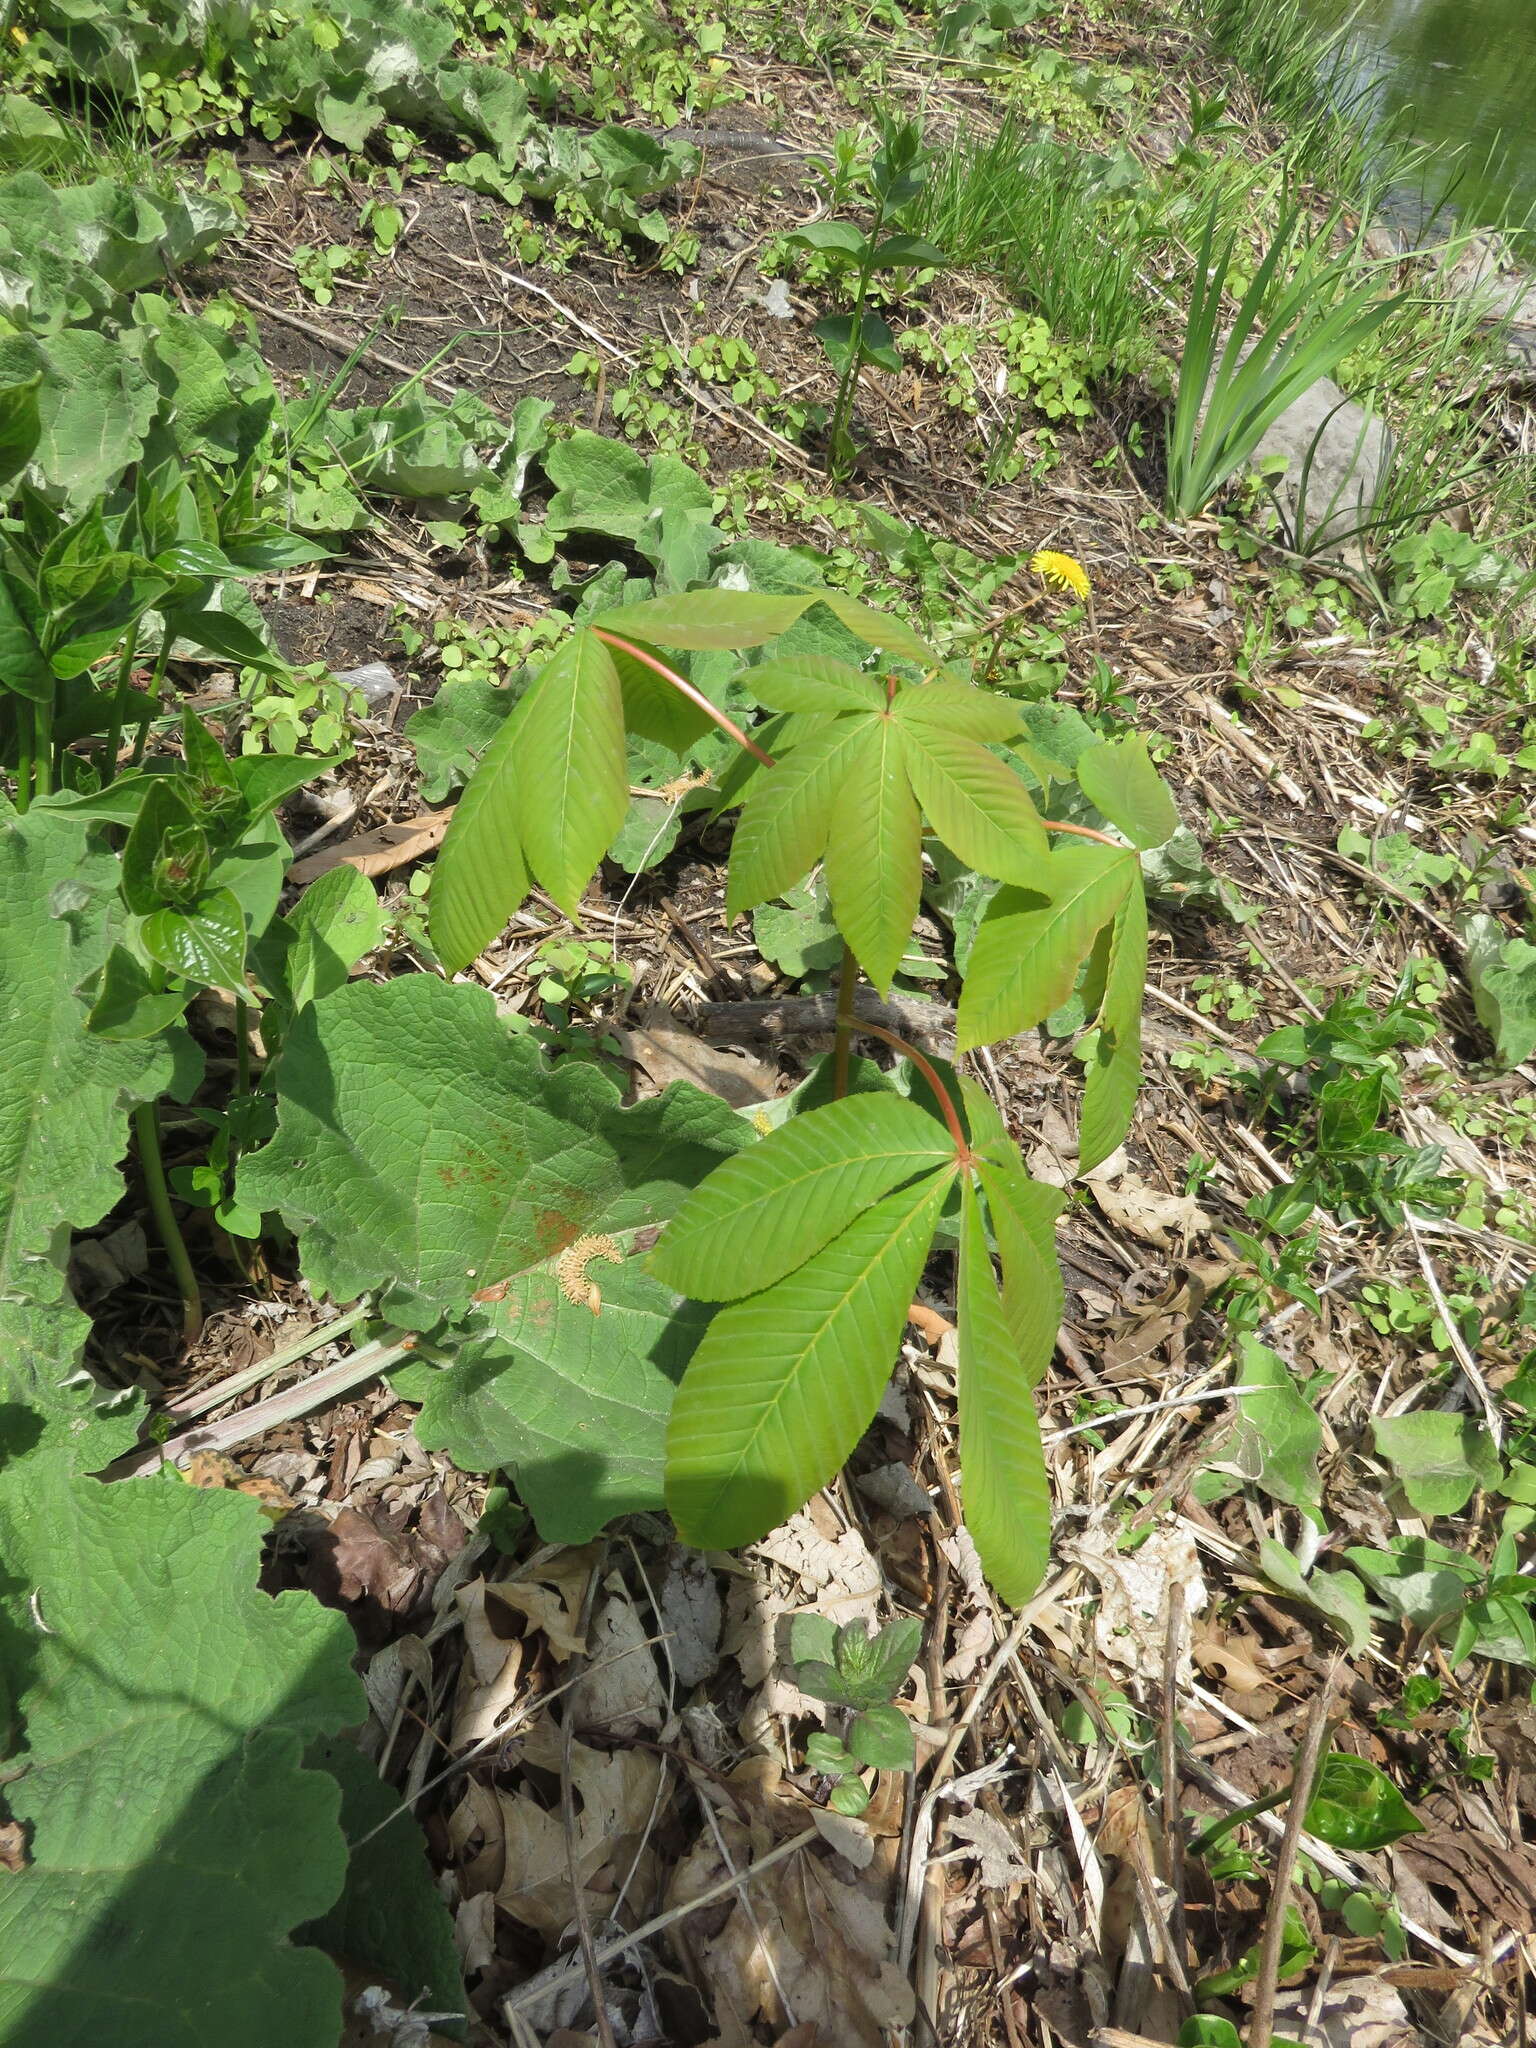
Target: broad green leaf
{"points": [[975, 803], [784, 1383], [1422, 1582], [64, 1094], [653, 708], [765, 1211], [205, 944], [572, 1405], [1441, 1460], [882, 1737], [451, 734], [390, 1919], [958, 708], [1338, 1595], [706, 618], [1023, 1214], [19, 423], [480, 876], [874, 851], [812, 1639], [174, 1838], [24, 668], [786, 821], [904, 252], [1118, 779], [814, 683], [1501, 972], [420, 1142], [334, 923], [569, 774], [50, 1405], [1004, 1490], [1114, 1068], [836, 237], [876, 629], [1277, 1436], [128, 1004], [1031, 942], [1357, 1807]]}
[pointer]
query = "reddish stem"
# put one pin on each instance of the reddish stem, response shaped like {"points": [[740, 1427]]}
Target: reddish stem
{"points": [[687, 689], [925, 1067], [1083, 832]]}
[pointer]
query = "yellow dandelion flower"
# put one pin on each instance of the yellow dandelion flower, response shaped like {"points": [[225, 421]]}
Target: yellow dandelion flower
{"points": [[1064, 572]]}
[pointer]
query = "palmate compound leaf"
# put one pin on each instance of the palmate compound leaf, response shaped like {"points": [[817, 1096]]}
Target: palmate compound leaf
{"points": [[784, 826], [572, 1405], [1114, 1066], [700, 619], [569, 771], [1004, 1489], [874, 852], [1032, 942], [974, 801], [163, 1704], [64, 1094], [770, 1208], [785, 1382], [422, 1146]]}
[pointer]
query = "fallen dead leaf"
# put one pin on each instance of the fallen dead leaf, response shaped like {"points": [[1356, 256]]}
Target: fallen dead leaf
{"points": [[1131, 1626], [373, 1567], [1359, 2012], [551, 1597], [489, 1674], [666, 1050], [692, 1615], [1167, 1221], [621, 1691], [1002, 1861], [378, 852], [615, 1795]]}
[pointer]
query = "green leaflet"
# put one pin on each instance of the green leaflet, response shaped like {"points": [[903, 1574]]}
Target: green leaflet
{"points": [[770, 1208], [420, 1143], [653, 709], [785, 1382], [1024, 1223], [1118, 779], [784, 825], [874, 851], [569, 774], [1277, 1436], [1032, 942], [975, 802], [480, 876], [1002, 1465], [741, 618], [958, 708], [1114, 1069], [814, 683]]}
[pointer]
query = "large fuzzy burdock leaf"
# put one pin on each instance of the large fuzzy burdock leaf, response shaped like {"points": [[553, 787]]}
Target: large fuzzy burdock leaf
{"points": [[422, 1146], [64, 1094], [159, 1707], [784, 1383], [770, 1208], [572, 1405]]}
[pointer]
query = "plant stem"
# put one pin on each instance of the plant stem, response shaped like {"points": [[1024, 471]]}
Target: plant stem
{"points": [[847, 982], [146, 1125], [1084, 832], [242, 1048], [122, 697], [42, 758], [694, 696], [152, 699], [929, 1073], [853, 362], [26, 733], [1228, 1823]]}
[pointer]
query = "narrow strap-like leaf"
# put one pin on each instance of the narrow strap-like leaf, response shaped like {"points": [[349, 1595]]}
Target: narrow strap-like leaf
{"points": [[958, 707], [874, 851], [1118, 778], [1004, 1490], [766, 1210], [976, 804], [1030, 944], [784, 1384], [814, 683], [480, 876], [572, 783], [1024, 1224], [1114, 1072], [784, 825]]}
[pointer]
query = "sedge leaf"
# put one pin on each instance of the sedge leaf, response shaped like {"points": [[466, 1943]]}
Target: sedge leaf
{"points": [[1114, 1069], [1118, 779], [874, 851], [786, 820], [975, 803], [480, 876], [785, 1383], [1031, 942], [569, 773], [1002, 1464], [766, 1211]]}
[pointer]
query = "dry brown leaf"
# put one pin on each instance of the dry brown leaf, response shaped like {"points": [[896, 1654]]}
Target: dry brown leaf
{"points": [[476, 1839], [551, 1598], [378, 852], [621, 1691], [667, 1050], [1131, 1626], [474, 1932], [1494, 1886], [490, 1673], [1167, 1221], [1359, 2012], [692, 1615], [614, 1797]]}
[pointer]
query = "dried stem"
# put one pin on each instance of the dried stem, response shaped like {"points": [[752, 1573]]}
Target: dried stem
{"points": [[1261, 2025]]}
